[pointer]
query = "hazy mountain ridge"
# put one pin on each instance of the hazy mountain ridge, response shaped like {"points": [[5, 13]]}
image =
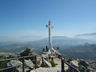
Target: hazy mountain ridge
{"points": [[68, 46]]}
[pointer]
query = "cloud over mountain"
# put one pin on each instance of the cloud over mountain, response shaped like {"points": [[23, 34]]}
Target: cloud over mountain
{"points": [[87, 36]]}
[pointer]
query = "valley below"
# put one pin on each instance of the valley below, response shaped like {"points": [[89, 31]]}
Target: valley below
{"points": [[71, 47]]}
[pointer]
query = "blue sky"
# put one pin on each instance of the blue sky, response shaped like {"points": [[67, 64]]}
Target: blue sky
{"points": [[27, 18]]}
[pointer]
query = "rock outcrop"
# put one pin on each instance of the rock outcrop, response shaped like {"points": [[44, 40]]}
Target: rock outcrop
{"points": [[45, 63]]}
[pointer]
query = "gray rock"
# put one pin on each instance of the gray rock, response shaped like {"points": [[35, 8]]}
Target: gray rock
{"points": [[29, 63], [45, 63], [14, 63]]}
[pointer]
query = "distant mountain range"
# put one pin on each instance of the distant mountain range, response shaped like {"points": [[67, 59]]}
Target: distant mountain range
{"points": [[74, 47]]}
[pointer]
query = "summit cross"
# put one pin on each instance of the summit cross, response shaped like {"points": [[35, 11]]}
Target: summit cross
{"points": [[49, 26]]}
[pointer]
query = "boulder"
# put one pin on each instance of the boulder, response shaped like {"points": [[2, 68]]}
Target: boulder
{"points": [[29, 63], [84, 63], [19, 64], [32, 71], [45, 63], [66, 67], [75, 63], [39, 61], [14, 63]]}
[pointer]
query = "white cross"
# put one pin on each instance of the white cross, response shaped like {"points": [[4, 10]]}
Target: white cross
{"points": [[49, 26]]}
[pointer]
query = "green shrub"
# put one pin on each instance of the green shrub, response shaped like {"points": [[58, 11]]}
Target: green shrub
{"points": [[3, 64], [26, 52], [53, 64]]}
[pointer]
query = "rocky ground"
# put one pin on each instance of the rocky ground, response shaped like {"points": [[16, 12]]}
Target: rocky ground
{"points": [[50, 69], [46, 61]]}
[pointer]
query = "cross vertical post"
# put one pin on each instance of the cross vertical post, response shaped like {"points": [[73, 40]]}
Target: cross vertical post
{"points": [[49, 26]]}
